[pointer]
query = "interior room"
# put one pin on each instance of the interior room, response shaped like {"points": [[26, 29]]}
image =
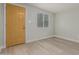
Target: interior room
{"points": [[39, 28]]}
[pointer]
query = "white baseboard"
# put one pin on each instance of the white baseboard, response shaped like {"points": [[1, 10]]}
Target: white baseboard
{"points": [[66, 38], [58, 36], [29, 41]]}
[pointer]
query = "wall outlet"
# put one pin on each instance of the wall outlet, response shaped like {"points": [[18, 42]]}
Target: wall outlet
{"points": [[0, 49], [78, 37]]}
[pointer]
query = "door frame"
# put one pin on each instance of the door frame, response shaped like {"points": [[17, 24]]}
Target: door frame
{"points": [[4, 40]]}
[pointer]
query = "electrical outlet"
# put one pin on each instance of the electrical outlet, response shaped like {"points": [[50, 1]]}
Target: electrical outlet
{"points": [[78, 37], [0, 49]]}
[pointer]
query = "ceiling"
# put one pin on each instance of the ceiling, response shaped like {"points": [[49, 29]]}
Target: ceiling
{"points": [[56, 7]]}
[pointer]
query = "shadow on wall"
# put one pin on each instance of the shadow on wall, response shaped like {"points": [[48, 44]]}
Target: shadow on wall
{"points": [[1, 24]]}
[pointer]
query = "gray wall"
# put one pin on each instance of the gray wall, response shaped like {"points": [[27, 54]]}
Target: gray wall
{"points": [[67, 24], [1, 24], [32, 31]]}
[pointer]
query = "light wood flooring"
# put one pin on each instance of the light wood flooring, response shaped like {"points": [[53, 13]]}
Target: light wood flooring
{"points": [[51, 46]]}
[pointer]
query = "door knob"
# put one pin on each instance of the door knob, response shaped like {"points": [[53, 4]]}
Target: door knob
{"points": [[23, 27]]}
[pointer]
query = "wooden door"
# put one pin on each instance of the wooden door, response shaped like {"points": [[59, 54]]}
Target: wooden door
{"points": [[15, 25]]}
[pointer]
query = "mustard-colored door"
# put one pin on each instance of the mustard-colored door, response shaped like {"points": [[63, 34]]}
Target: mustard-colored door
{"points": [[15, 25]]}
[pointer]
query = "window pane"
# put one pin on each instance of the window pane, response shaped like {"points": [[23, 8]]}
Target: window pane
{"points": [[40, 20], [45, 20]]}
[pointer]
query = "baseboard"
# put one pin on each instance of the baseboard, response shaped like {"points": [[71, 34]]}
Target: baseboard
{"points": [[66, 38], [57, 36], [29, 41]]}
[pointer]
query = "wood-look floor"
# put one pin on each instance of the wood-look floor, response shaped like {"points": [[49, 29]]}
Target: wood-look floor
{"points": [[51, 46]]}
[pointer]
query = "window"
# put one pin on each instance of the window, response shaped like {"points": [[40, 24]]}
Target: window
{"points": [[42, 20]]}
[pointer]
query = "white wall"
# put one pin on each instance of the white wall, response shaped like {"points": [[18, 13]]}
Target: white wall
{"points": [[1, 25], [67, 24], [32, 31]]}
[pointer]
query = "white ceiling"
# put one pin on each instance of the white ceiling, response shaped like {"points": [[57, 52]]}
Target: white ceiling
{"points": [[56, 7]]}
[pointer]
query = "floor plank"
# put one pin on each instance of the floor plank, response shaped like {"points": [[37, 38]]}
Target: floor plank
{"points": [[51, 46]]}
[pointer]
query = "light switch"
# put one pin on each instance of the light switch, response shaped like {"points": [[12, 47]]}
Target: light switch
{"points": [[30, 21]]}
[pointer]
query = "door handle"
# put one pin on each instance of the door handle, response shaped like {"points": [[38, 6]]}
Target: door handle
{"points": [[23, 27]]}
